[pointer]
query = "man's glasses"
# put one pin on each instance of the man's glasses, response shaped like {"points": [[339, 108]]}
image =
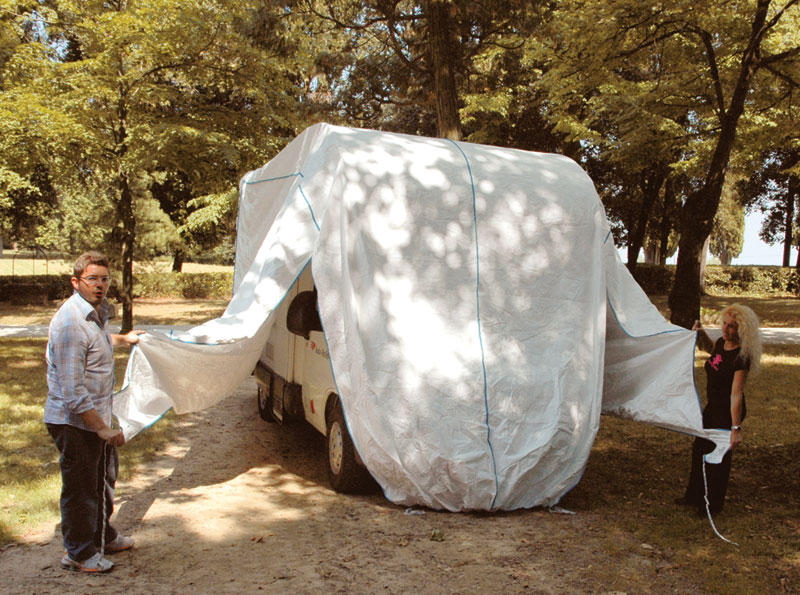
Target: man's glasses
{"points": [[95, 280]]}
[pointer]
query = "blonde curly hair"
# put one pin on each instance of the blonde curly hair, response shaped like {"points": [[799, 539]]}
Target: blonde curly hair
{"points": [[749, 335]]}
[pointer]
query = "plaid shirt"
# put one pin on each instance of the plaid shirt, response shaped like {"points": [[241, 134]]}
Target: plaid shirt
{"points": [[80, 364]]}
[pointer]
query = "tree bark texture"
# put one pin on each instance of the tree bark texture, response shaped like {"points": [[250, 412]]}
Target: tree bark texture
{"points": [[788, 240], [125, 213], [442, 49], [652, 179], [125, 210], [666, 223], [177, 261]]}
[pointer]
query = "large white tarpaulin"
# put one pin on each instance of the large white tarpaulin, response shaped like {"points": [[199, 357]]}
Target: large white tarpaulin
{"points": [[476, 311]]}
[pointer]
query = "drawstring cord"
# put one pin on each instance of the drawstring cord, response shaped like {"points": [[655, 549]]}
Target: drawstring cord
{"points": [[103, 496], [708, 507]]}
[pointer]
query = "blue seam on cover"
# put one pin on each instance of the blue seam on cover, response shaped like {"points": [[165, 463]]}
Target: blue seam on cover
{"points": [[238, 222], [480, 332], [308, 204], [295, 174], [694, 347], [314, 220], [195, 343], [336, 386], [694, 380], [624, 330], [172, 338], [608, 235], [124, 386]]}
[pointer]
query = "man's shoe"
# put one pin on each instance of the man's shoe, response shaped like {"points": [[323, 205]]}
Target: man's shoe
{"points": [[96, 563], [119, 544]]}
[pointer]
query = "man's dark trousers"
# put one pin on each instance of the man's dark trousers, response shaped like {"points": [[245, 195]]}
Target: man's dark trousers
{"points": [[83, 456]]}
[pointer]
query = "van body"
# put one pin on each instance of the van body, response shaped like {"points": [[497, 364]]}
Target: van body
{"points": [[295, 382]]}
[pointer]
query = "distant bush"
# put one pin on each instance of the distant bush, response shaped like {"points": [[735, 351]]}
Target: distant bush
{"points": [[724, 280], [753, 280], [28, 289], [654, 279], [184, 285], [36, 288]]}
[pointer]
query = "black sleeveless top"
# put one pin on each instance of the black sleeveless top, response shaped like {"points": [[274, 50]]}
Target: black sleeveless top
{"points": [[720, 368]]}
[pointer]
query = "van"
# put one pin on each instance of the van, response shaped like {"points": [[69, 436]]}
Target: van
{"points": [[295, 383]]}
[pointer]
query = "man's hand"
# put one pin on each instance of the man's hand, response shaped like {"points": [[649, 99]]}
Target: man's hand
{"points": [[96, 423], [112, 436], [130, 338]]}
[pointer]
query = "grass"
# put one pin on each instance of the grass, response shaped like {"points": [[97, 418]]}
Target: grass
{"points": [[30, 480], [781, 312], [636, 471], [145, 311]]}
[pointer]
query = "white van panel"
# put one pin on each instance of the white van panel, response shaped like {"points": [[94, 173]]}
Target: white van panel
{"points": [[279, 348], [302, 361]]}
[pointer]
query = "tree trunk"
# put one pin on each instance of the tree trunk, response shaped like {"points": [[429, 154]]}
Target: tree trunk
{"points": [[788, 236], [651, 181], [125, 210], [703, 262], [697, 214], [177, 261], [666, 224], [443, 52], [633, 255]]}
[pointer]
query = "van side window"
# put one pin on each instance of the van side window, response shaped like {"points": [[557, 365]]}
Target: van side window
{"points": [[302, 317]]}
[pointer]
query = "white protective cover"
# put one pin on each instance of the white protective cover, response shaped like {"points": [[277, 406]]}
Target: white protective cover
{"points": [[474, 307]]}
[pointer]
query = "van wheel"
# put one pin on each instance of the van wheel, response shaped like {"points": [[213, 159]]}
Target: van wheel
{"points": [[344, 472], [265, 402]]}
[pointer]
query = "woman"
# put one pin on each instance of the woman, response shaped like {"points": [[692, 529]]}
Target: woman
{"points": [[735, 355]]}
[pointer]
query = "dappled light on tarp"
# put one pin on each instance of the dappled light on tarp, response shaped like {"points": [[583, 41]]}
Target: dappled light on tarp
{"points": [[462, 292]]}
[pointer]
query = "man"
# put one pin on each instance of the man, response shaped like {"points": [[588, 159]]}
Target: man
{"points": [[80, 379]]}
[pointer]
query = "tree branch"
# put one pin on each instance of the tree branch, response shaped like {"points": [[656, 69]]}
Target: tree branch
{"points": [[782, 75], [778, 57], [711, 58]]}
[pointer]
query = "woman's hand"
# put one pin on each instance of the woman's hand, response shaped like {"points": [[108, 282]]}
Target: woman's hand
{"points": [[736, 438]]}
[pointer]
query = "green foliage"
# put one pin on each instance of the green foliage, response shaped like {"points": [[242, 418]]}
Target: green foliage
{"points": [[773, 187], [724, 280], [648, 89], [751, 280], [727, 236], [213, 217], [132, 109], [34, 289], [654, 279], [380, 69], [186, 285]]}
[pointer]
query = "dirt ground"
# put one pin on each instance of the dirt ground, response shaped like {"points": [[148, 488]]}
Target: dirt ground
{"points": [[239, 505]]}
